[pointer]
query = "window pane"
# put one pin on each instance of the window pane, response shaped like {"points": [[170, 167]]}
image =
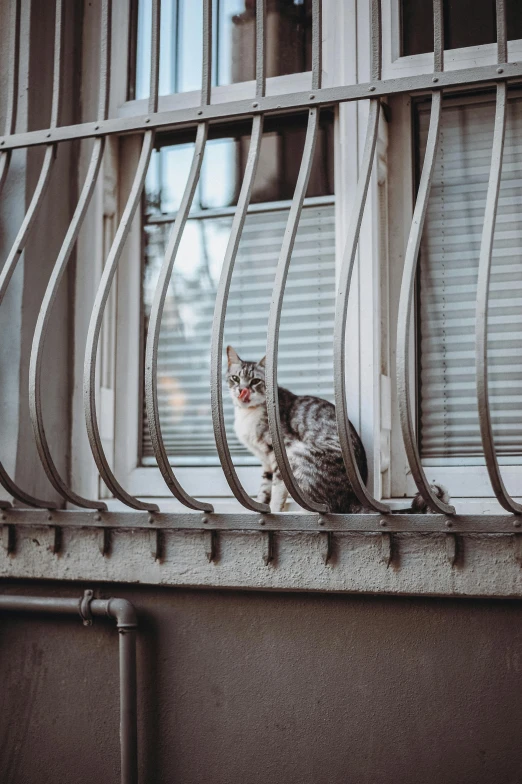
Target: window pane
{"points": [[306, 337], [466, 23], [448, 282], [288, 30], [224, 164]]}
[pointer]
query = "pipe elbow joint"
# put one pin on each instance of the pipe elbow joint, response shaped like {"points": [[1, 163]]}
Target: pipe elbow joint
{"points": [[123, 613]]}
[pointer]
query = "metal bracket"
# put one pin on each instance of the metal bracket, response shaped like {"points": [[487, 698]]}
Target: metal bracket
{"points": [[105, 541], [85, 607], [156, 544], [56, 543], [386, 549], [452, 548], [9, 538], [268, 547], [327, 538], [211, 545]]}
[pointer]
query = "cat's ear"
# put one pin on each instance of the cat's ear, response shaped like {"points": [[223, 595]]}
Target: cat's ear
{"points": [[233, 356], [261, 362]]}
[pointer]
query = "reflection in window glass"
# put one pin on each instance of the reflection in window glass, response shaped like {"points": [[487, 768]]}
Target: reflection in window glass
{"points": [[288, 30], [466, 23], [224, 164]]}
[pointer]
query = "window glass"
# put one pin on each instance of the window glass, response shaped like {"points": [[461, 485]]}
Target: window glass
{"points": [[288, 34], [450, 252], [466, 23], [306, 337]]}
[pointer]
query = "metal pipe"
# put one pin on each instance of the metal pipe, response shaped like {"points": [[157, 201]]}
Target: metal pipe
{"points": [[160, 294], [225, 280], [283, 264], [27, 224], [408, 281], [123, 612], [37, 350], [484, 273], [345, 277], [102, 295]]}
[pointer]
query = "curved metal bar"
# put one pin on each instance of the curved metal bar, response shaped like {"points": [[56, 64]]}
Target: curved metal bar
{"points": [[481, 334], [216, 377], [36, 360], [154, 328], [21, 238], [404, 315], [5, 277], [91, 351], [274, 319], [109, 270], [12, 86], [343, 291]]}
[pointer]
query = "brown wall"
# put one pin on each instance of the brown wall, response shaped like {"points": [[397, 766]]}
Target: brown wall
{"points": [[250, 688]]}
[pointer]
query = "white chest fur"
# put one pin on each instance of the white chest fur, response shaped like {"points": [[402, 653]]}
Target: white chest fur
{"points": [[248, 424]]}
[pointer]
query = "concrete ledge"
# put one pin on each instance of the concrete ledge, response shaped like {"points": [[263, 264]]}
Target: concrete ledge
{"points": [[474, 565]]}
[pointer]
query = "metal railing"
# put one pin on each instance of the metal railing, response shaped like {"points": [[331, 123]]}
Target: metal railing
{"points": [[144, 514]]}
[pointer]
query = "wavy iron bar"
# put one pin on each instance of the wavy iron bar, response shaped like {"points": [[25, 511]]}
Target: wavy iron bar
{"points": [[404, 358], [36, 202], [36, 360], [486, 250], [200, 118]]}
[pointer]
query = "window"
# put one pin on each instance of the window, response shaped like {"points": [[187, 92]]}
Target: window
{"points": [[305, 353], [466, 23], [288, 42], [447, 285]]}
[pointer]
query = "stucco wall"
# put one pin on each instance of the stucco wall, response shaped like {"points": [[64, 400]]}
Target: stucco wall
{"points": [[250, 688]]}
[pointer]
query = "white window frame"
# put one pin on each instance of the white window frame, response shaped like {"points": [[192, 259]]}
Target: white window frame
{"points": [[466, 478], [345, 22]]}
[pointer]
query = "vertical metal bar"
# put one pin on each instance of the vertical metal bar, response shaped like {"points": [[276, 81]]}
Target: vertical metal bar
{"points": [[154, 328], [128, 707], [260, 48], [102, 295], [317, 48], [502, 44], [216, 378], [12, 85], [408, 281], [216, 352], [57, 66], [23, 234], [206, 72], [36, 360], [345, 278], [274, 318], [156, 312], [484, 273]]}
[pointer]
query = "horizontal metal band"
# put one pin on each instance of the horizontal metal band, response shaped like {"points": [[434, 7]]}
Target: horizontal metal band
{"points": [[305, 522], [274, 104]]}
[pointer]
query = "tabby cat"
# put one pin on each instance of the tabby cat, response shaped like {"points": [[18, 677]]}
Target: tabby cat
{"points": [[310, 436]]}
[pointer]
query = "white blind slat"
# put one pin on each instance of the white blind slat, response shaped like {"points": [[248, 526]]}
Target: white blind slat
{"points": [[306, 337], [448, 280]]}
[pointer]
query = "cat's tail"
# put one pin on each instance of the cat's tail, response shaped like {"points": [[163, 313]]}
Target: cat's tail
{"points": [[419, 505]]}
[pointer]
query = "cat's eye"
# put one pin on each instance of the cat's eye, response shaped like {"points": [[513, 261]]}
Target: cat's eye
{"points": [[255, 382], [235, 379]]}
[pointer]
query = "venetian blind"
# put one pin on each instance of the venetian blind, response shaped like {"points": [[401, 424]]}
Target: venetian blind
{"points": [[306, 337], [448, 279]]}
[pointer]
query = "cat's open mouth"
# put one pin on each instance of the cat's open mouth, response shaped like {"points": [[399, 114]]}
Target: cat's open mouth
{"points": [[244, 395]]}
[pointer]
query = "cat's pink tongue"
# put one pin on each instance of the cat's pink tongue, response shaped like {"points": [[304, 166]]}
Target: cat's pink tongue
{"points": [[244, 395]]}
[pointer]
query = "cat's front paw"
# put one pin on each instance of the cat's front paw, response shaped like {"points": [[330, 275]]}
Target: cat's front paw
{"points": [[419, 505]]}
